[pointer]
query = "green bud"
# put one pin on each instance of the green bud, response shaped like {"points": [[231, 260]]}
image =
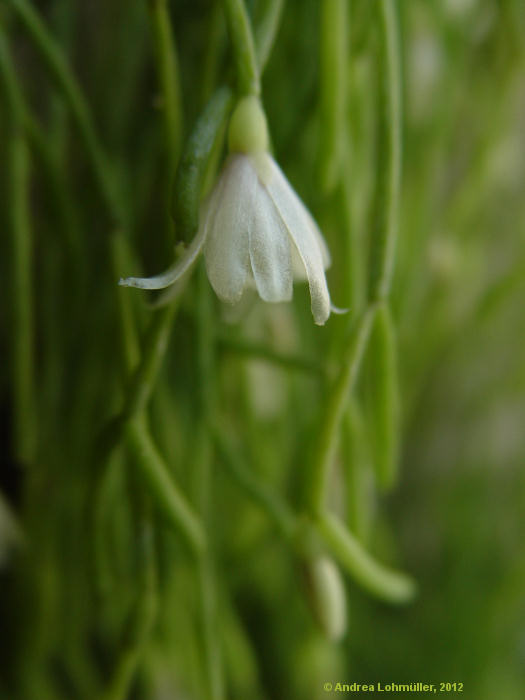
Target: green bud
{"points": [[326, 594], [248, 131]]}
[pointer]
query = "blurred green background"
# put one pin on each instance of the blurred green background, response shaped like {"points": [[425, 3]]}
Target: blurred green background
{"points": [[100, 596]]}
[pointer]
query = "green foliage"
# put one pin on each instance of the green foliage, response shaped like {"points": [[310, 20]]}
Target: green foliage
{"points": [[170, 466]]}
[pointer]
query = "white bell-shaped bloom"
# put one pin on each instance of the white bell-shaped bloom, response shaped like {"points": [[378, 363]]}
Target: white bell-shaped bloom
{"points": [[259, 234], [254, 229]]}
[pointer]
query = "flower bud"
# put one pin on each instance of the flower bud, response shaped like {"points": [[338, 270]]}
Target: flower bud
{"points": [[326, 595]]}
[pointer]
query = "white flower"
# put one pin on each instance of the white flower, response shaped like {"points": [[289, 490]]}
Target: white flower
{"points": [[259, 234], [254, 229]]}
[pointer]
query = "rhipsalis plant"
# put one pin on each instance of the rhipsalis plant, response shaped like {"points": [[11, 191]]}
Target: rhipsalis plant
{"points": [[213, 492]]}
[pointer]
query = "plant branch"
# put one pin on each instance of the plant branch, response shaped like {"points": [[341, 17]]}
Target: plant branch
{"points": [[58, 66], [18, 183], [163, 487], [336, 401], [388, 185], [243, 44], [389, 585]]}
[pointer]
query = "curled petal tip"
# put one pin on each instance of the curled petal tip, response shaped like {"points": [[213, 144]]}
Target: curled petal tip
{"points": [[174, 273], [337, 310], [321, 318], [126, 282], [138, 282], [132, 282]]}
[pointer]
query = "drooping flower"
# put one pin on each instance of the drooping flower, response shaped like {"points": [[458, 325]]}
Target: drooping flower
{"points": [[254, 229]]}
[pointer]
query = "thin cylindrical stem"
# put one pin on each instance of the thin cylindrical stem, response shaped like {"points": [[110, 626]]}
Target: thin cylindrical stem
{"points": [[154, 350], [18, 182], [189, 180], [389, 585], [130, 351], [203, 488], [383, 396], [167, 67], [388, 186], [243, 43], [168, 76], [266, 31], [141, 620], [276, 509], [333, 413], [358, 476], [164, 490], [58, 66], [334, 88]]}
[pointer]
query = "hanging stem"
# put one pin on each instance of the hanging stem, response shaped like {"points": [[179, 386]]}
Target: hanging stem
{"points": [[334, 88], [266, 31], [189, 180], [382, 261], [333, 413], [206, 574], [188, 188], [248, 77], [276, 509], [358, 479], [154, 350], [18, 182], [378, 580], [384, 397], [58, 66], [208, 630], [171, 106], [388, 186], [141, 621], [168, 76], [130, 351], [354, 279], [384, 583], [45, 155], [162, 485]]}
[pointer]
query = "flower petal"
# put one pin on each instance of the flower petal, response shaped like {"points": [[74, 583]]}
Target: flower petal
{"points": [[305, 236], [227, 227], [173, 273], [270, 250], [327, 259], [298, 268]]}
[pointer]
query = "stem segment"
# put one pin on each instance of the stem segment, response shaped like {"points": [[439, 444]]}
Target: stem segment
{"points": [[58, 66], [243, 43], [384, 583], [276, 509], [267, 30], [388, 186], [195, 159], [334, 88], [168, 75], [18, 181], [384, 397], [165, 491], [335, 405]]}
